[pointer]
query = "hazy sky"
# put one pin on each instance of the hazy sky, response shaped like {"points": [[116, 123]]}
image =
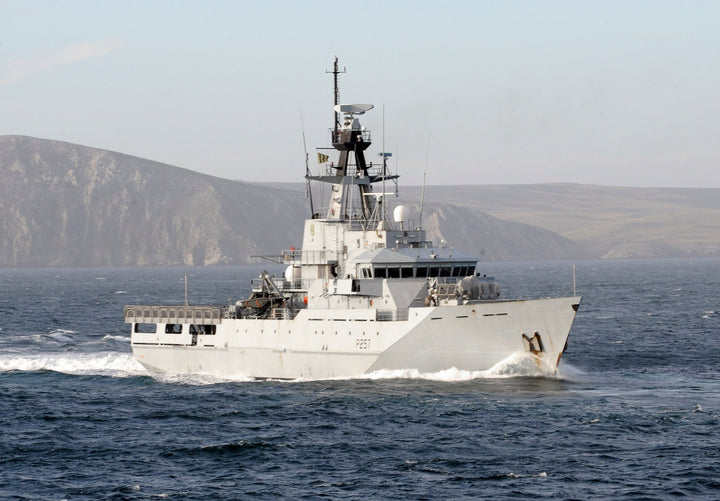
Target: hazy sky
{"points": [[491, 92]]}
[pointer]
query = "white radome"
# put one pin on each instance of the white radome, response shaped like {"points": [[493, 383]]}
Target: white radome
{"points": [[401, 213]]}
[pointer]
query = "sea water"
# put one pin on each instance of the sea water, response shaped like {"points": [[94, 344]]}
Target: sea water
{"points": [[634, 410]]}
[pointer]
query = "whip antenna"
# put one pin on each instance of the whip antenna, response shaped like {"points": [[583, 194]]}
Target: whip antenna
{"points": [[422, 193], [308, 192]]}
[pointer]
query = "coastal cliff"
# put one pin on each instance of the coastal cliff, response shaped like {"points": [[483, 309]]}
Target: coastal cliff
{"points": [[68, 205]]}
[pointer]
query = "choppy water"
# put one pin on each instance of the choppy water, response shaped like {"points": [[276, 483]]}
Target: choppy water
{"points": [[634, 411]]}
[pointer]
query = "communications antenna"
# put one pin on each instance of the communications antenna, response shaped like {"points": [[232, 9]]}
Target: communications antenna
{"points": [[335, 73]]}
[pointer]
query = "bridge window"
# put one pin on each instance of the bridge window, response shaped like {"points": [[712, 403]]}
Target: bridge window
{"points": [[207, 329], [422, 272], [406, 272], [173, 328], [146, 328], [393, 272], [380, 272], [364, 271]]}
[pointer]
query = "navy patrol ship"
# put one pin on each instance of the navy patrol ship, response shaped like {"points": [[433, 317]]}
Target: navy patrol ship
{"points": [[365, 293]]}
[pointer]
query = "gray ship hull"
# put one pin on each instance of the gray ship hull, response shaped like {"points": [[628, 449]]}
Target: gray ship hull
{"points": [[342, 343]]}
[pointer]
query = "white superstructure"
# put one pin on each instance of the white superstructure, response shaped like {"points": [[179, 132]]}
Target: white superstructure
{"points": [[364, 293]]}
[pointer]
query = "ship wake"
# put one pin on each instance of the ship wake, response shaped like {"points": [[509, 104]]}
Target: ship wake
{"points": [[124, 365], [516, 365], [102, 364]]}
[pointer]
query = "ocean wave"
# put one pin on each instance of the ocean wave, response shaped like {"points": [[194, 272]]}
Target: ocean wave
{"points": [[567, 371], [60, 332], [115, 364], [516, 365], [124, 339], [542, 474], [201, 379]]}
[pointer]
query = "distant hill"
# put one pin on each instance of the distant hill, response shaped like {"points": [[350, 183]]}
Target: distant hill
{"points": [[609, 221], [63, 204], [605, 221]]}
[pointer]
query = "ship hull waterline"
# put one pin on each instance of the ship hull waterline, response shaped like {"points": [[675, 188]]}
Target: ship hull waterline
{"points": [[320, 344]]}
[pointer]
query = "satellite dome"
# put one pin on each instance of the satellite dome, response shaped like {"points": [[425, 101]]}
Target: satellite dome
{"points": [[401, 213]]}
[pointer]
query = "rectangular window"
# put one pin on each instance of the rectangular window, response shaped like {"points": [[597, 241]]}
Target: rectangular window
{"points": [[445, 271], [434, 270], [393, 272], [421, 272], [146, 328], [379, 272], [406, 272], [207, 329], [173, 328]]}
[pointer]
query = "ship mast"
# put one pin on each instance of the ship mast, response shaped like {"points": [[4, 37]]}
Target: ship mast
{"points": [[352, 171], [335, 73]]}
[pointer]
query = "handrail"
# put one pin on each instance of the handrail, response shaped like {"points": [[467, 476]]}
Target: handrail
{"points": [[178, 314]]}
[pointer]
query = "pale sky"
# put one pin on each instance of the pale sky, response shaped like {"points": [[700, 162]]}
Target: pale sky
{"points": [[490, 92]]}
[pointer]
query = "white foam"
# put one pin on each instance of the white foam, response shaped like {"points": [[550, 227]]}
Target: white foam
{"points": [[567, 371], [516, 365], [201, 379], [63, 331], [115, 364], [58, 335], [124, 339], [542, 474]]}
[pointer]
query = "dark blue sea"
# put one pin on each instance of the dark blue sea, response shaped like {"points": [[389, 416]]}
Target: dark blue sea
{"points": [[634, 411]]}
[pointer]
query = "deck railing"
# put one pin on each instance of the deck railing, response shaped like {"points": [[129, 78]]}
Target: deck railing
{"points": [[146, 314]]}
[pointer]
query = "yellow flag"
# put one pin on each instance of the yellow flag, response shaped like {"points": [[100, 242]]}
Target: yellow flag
{"points": [[322, 158]]}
